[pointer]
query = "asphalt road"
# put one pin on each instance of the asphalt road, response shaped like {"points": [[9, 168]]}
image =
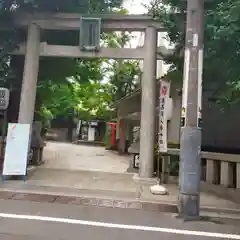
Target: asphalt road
{"points": [[21, 220]]}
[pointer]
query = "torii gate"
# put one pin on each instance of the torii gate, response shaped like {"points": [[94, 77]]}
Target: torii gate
{"points": [[33, 49]]}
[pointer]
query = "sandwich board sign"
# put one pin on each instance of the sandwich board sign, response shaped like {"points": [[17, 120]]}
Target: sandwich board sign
{"points": [[16, 151]]}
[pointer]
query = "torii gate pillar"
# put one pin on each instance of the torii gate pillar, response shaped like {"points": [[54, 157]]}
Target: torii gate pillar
{"points": [[30, 76], [148, 111]]}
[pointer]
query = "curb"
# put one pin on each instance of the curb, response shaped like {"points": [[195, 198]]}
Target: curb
{"points": [[108, 203], [221, 210], [30, 171], [222, 192], [89, 201], [86, 143]]}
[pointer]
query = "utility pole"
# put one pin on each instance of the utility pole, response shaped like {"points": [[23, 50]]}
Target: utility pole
{"points": [[190, 141]]}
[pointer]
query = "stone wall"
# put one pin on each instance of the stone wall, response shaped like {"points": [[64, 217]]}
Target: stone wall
{"points": [[221, 129], [57, 134]]}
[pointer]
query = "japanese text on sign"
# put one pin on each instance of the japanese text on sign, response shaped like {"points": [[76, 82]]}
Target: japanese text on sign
{"points": [[162, 135]]}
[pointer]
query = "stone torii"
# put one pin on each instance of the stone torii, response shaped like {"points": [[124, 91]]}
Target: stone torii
{"points": [[33, 49]]}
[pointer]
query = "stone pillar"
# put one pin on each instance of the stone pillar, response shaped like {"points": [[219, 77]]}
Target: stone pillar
{"points": [[148, 109], [130, 132], [238, 175], [226, 174], [122, 136], [30, 76], [210, 171]]}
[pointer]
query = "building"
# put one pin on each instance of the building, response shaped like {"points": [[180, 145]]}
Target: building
{"points": [[220, 127]]}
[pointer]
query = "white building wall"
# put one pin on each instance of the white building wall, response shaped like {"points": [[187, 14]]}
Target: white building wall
{"points": [[162, 68]]}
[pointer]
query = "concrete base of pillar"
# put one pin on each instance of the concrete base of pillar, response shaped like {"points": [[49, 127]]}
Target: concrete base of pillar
{"points": [[131, 169], [145, 181], [188, 207], [143, 184], [238, 176]]}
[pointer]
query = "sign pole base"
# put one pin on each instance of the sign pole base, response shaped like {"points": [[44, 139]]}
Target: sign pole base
{"points": [[158, 189]]}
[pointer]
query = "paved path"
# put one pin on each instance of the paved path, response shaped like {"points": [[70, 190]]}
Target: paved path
{"points": [[68, 156], [95, 172], [81, 179], [39, 221]]}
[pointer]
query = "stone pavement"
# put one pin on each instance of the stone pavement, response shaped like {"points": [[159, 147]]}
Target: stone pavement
{"points": [[69, 156], [113, 185], [81, 179], [91, 175], [102, 189], [96, 198]]}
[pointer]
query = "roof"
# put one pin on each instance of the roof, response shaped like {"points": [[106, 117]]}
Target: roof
{"points": [[128, 96]]}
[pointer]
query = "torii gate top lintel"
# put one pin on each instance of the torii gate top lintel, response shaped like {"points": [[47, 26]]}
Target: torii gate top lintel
{"points": [[71, 21]]}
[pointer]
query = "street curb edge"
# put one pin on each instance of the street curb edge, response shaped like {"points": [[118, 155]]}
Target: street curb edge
{"points": [[136, 204], [89, 201]]}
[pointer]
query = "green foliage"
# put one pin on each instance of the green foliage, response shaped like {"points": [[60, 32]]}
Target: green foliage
{"points": [[82, 6], [89, 96], [95, 99], [70, 86], [173, 165], [84, 100], [123, 74], [221, 43], [124, 77], [55, 94]]}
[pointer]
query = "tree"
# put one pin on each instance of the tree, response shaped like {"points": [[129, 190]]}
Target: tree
{"points": [[221, 44], [93, 97], [53, 73], [85, 100], [124, 77], [123, 74], [95, 100], [67, 84]]}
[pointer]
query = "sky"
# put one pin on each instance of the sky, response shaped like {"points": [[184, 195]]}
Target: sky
{"points": [[135, 7]]}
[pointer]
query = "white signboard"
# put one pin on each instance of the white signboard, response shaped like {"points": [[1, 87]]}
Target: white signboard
{"points": [[185, 86], [17, 147], [162, 134], [200, 71]]}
